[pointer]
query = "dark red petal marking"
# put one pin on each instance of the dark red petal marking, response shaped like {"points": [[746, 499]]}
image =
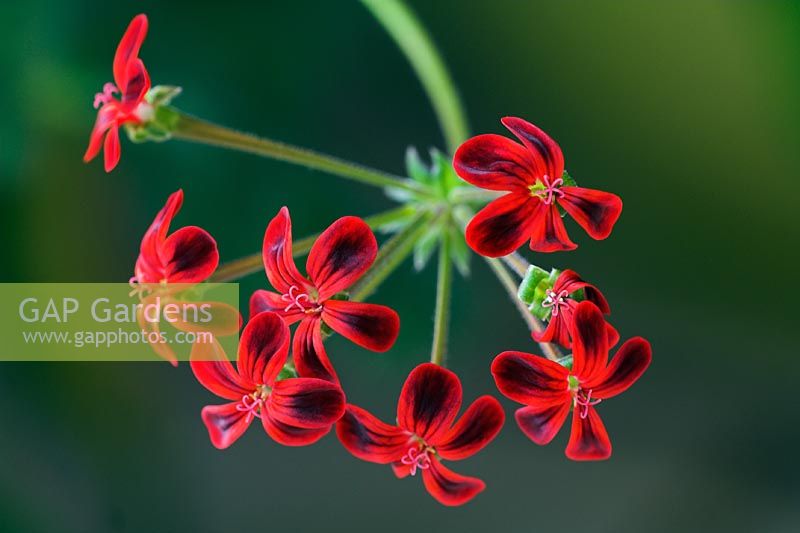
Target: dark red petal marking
{"points": [[429, 401], [589, 342], [111, 148], [128, 49], [277, 255], [504, 225], [263, 348], [289, 435], [262, 300], [547, 153], [374, 327], [530, 379], [341, 255], [189, 255], [215, 372], [588, 440], [549, 233], [310, 356], [541, 424], [306, 402], [449, 488], [476, 428], [496, 163], [138, 85], [571, 282], [630, 362], [225, 423], [370, 439], [105, 118], [595, 211], [149, 267]]}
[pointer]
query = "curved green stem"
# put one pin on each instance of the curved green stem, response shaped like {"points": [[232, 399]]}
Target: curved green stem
{"points": [[194, 129], [391, 254], [444, 289], [251, 264], [534, 324], [403, 26]]}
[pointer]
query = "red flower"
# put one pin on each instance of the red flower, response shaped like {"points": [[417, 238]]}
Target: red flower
{"points": [[338, 258], [562, 309], [426, 432], [132, 82], [294, 411], [532, 173], [549, 390], [189, 255]]}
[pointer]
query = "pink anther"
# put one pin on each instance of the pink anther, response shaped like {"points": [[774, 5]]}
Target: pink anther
{"points": [[416, 458], [556, 301]]}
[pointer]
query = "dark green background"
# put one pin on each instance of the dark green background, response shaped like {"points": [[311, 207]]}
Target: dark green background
{"points": [[688, 110]]}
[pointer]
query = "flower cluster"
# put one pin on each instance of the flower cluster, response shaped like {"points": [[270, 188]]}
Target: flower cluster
{"points": [[286, 379]]}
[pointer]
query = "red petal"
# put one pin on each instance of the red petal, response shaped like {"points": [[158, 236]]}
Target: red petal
{"points": [[263, 348], [449, 488], [476, 428], [541, 424], [224, 319], [215, 372], [370, 439], [549, 233], [613, 335], [137, 85], [149, 268], [111, 148], [429, 401], [225, 423], [341, 255], [375, 327], [289, 435], [400, 470], [262, 300], [189, 255], [496, 163], [588, 439], [105, 118], [589, 342], [557, 329], [595, 211], [545, 150], [626, 367], [162, 349], [530, 379], [504, 225], [310, 356], [307, 403], [128, 49], [277, 255], [571, 282]]}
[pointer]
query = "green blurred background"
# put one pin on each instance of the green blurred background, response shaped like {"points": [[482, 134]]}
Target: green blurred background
{"points": [[689, 110]]}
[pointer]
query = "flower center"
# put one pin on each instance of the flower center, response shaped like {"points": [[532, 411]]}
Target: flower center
{"points": [[547, 190], [106, 96], [556, 301], [253, 402], [296, 298], [417, 458], [581, 398]]}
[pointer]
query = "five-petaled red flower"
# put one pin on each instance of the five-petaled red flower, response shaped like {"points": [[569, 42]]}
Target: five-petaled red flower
{"points": [[293, 411], [560, 300], [132, 82], [549, 390], [187, 256], [340, 256], [532, 174], [426, 432]]}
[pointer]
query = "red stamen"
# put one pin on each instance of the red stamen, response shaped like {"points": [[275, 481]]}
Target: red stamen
{"points": [[106, 96], [556, 301], [416, 458]]}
